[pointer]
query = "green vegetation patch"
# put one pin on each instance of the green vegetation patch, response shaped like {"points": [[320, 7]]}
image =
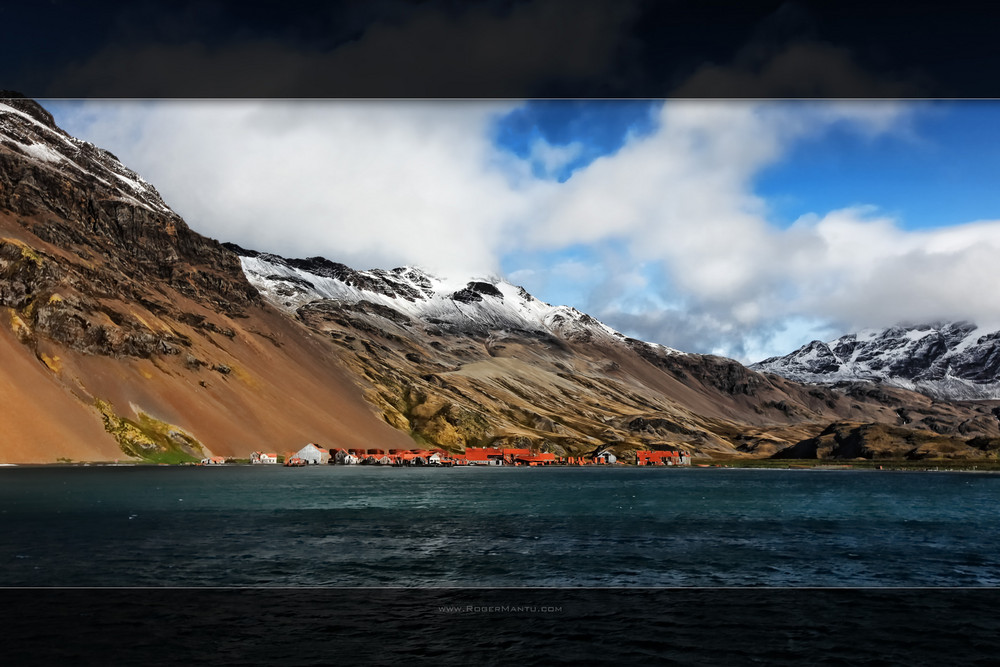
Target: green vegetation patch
{"points": [[150, 439]]}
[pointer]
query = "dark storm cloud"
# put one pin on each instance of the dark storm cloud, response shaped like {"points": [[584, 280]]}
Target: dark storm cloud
{"points": [[354, 49], [498, 48], [802, 70], [795, 52]]}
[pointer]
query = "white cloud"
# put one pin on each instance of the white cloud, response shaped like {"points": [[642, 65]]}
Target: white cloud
{"points": [[388, 183], [683, 198], [370, 184], [573, 270], [552, 158]]}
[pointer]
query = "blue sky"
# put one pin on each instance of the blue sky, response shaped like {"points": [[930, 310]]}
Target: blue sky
{"points": [[938, 169], [599, 127], [738, 228]]}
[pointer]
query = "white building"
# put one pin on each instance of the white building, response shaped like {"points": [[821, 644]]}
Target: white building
{"points": [[485, 462], [344, 457], [313, 455]]}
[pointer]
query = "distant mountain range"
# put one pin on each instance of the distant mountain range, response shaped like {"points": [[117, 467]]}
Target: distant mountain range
{"points": [[951, 361], [126, 334]]}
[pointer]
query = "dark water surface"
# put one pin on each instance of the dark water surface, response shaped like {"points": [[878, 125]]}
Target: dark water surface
{"points": [[364, 565], [621, 527]]}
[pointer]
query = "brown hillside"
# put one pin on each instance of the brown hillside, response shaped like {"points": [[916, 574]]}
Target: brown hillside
{"points": [[112, 309]]}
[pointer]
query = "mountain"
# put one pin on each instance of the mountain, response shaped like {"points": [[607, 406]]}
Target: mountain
{"points": [[951, 361], [127, 335], [481, 361], [486, 306]]}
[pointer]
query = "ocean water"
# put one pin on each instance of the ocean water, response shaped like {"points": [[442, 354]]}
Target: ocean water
{"points": [[552, 527], [362, 565]]}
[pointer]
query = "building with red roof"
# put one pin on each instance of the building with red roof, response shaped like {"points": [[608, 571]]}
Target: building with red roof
{"points": [[543, 459], [484, 456], [662, 458]]}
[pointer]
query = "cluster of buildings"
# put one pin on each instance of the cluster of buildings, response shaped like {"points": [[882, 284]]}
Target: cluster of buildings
{"points": [[487, 456], [214, 461], [313, 454], [392, 457], [525, 457], [662, 458]]}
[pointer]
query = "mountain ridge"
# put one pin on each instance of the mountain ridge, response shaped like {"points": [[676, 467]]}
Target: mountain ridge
{"points": [[493, 302], [713, 402], [952, 361]]}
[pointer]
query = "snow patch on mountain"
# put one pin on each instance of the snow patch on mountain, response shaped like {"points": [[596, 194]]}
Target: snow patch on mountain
{"points": [[29, 136], [41, 152], [484, 304], [952, 361]]}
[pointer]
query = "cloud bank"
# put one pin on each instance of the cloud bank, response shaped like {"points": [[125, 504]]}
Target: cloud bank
{"points": [[367, 183], [685, 253]]}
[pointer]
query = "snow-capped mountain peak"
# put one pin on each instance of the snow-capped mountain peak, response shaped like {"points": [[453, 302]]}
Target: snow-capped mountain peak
{"points": [[956, 360], [484, 304]]}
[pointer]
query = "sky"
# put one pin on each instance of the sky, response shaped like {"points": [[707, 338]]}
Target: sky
{"points": [[734, 227]]}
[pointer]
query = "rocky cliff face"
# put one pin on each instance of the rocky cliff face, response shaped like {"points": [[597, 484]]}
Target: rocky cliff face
{"points": [[80, 198], [951, 361]]}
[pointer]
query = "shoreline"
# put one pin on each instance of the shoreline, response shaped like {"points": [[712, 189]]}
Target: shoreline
{"points": [[900, 465]]}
